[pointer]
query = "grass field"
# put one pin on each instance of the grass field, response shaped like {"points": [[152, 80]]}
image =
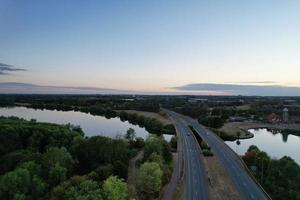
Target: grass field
{"points": [[220, 184], [159, 116]]}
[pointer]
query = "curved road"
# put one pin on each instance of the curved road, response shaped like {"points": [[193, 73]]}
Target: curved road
{"points": [[196, 186], [243, 182]]}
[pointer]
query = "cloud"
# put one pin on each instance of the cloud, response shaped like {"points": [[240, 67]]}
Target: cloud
{"points": [[27, 88], [237, 89], [5, 69], [257, 82]]}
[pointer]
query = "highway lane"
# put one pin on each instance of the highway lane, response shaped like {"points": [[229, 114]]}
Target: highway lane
{"points": [[196, 180], [243, 182]]}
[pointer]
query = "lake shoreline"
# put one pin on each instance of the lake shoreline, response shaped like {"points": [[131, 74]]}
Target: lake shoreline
{"points": [[232, 128], [271, 140]]}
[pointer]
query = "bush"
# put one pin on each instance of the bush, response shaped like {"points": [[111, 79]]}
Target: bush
{"points": [[204, 145], [173, 142], [207, 152], [169, 129]]}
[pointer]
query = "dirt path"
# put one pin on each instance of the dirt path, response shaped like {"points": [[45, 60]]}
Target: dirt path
{"points": [[132, 173]]}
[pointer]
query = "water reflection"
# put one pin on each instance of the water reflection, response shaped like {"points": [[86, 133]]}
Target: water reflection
{"points": [[274, 142], [276, 131], [91, 125]]}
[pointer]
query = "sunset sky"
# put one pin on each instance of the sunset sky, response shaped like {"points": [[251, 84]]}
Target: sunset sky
{"points": [[151, 46]]}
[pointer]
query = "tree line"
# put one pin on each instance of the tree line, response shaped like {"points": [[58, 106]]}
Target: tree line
{"points": [[279, 177], [50, 161]]}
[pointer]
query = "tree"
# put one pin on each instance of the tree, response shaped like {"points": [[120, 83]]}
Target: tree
{"points": [[154, 157], [99, 150], [15, 183], [87, 189], [120, 169], [149, 179], [173, 142], [59, 156], [213, 121], [153, 144], [280, 177], [166, 151], [102, 172], [115, 188], [77, 188], [57, 174], [130, 135], [253, 148], [139, 143], [22, 183]]}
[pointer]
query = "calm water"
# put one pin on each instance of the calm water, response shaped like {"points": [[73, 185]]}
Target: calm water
{"points": [[276, 145], [91, 125]]}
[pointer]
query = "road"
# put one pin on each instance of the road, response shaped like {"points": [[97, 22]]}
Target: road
{"points": [[176, 175], [196, 186], [247, 188]]}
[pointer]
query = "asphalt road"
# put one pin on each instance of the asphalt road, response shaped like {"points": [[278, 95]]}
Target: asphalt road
{"points": [[176, 175], [195, 175], [243, 182]]}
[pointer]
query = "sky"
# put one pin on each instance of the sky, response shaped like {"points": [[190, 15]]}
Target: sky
{"points": [[151, 45]]}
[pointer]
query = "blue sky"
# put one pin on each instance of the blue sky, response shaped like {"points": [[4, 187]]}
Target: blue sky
{"points": [[150, 45]]}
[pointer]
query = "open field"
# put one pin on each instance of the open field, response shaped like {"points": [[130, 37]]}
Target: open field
{"points": [[159, 116], [244, 107], [232, 128], [220, 184]]}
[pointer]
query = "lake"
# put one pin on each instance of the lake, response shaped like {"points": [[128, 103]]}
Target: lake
{"points": [[91, 125], [276, 145]]}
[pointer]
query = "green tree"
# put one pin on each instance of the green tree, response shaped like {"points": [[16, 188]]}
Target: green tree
{"points": [[22, 182], [130, 134], [139, 143], [89, 190], [57, 174], [212, 121], [173, 142], [61, 156], [149, 179], [154, 157], [77, 188], [15, 183], [32, 167], [102, 172], [153, 144], [166, 151], [115, 188]]}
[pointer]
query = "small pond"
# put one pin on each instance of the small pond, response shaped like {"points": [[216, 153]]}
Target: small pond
{"points": [[274, 143]]}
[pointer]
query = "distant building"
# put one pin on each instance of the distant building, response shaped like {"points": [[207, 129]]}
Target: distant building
{"points": [[285, 115], [195, 100], [128, 99], [273, 118]]}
